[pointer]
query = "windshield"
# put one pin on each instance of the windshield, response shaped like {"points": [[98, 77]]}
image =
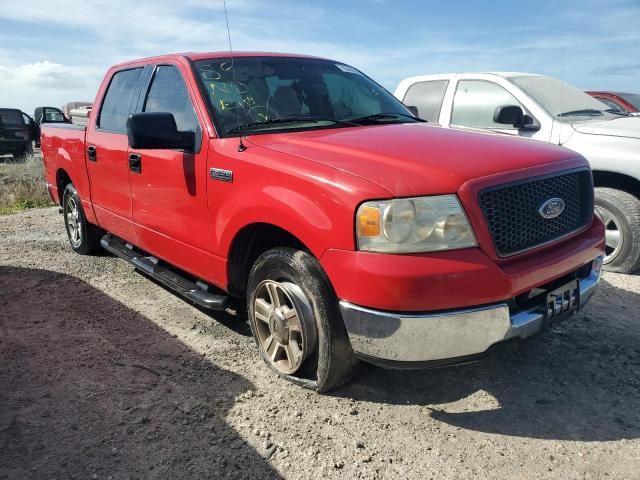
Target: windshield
{"points": [[10, 117], [288, 93], [632, 98], [558, 98]]}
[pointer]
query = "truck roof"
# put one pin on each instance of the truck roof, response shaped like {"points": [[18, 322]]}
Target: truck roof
{"points": [[207, 55]]}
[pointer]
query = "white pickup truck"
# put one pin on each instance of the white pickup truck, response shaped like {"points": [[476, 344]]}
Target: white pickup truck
{"points": [[549, 110]]}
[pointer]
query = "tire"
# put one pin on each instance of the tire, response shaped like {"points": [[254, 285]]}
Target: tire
{"points": [[322, 358], [84, 237], [621, 215], [23, 154]]}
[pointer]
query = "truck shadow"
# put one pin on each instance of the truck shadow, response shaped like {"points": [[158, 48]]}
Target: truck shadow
{"points": [[91, 387], [577, 381]]}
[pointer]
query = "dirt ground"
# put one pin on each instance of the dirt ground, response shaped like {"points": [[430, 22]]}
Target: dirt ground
{"points": [[107, 375]]}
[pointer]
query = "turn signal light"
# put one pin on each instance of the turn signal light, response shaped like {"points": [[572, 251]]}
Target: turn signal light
{"points": [[368, 222]]}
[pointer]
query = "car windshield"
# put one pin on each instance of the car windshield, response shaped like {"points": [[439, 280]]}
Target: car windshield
{"points": [[559, 98], [632, 98], [289, 93], [11, 118]]}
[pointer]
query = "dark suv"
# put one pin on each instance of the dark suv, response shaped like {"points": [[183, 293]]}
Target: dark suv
{"points": [[16, 132]]}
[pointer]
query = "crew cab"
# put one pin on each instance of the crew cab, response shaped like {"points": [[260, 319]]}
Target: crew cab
{"points": [[349, 228], [549, 110]]}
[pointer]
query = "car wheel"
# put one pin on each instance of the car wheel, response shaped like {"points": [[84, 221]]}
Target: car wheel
{"points": [[296, 322], [620, 212], [84, 237], [23, 154]]}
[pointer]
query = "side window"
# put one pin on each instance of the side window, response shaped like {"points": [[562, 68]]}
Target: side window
{"points": [[428, 97], [476, 101], [117, 101], [168, 93]]}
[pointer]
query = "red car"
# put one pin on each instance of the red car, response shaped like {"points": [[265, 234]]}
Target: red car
{"points": [[625, 102], [349, 228]]}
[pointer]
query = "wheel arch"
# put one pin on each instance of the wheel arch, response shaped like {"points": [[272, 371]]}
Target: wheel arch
{"points": [[618, 181], [248, 244], [62, 180]]}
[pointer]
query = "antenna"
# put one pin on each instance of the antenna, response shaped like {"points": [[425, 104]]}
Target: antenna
{"points": [[241, 147]]}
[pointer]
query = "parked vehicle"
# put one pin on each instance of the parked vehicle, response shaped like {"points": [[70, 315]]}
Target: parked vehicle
{"points": [[47, 115], [625, 102], [549, 110], [16, 133], [69, 106], [348, 227], [80, 115]]}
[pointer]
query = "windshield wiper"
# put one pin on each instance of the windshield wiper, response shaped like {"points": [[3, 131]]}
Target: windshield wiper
{"points": [[292, 119], [585, 111], [384, 116]]}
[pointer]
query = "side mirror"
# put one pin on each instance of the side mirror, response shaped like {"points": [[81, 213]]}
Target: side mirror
{"points": [[509, 115], [514, 116], [158, 130], [413, 109]]}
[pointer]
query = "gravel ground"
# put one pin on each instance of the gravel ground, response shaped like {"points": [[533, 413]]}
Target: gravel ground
{"points": [[105, 374]]}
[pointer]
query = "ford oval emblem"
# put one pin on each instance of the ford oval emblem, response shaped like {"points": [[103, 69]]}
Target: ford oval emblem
{"points": [[552, 208]]}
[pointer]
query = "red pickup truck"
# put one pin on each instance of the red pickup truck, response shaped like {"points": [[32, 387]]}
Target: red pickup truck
{"points": [[351, 229]]}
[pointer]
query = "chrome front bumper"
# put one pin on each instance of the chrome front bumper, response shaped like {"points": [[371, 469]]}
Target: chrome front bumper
{"points": [[451, 335]]}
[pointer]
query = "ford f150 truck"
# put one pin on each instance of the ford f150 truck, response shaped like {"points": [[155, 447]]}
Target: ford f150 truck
{"points": [[349, 227], [549, 110]]}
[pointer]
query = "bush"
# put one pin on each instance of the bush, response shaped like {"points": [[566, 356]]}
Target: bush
{"points": [[22, 185]]}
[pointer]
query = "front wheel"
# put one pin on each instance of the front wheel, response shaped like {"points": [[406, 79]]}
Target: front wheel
{"points": [[620, 212], [296, 321]]}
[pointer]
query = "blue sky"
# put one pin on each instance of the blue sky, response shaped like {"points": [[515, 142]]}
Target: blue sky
{"points": [[52, 51]]}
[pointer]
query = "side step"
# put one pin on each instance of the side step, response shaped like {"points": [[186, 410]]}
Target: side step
{"points": [[196, 291]]}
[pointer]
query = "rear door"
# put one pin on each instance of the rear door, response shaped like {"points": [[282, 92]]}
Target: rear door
{"points": [[169, 187], [107, 149]]}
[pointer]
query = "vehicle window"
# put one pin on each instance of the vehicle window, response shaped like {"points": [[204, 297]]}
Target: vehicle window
{"points": [[557, 97], [53, 116], [116, 105], [632, 98], [475, 103], [287, 93], [168, 93], [11, 117], [427, 97], [611, 104]]}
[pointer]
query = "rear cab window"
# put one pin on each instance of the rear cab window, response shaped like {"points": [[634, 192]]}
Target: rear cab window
{"points": [[118, 100], [427, 97]]}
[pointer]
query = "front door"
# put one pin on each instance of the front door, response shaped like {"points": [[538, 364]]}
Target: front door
{"points": [[107, 149], [168, 187]]}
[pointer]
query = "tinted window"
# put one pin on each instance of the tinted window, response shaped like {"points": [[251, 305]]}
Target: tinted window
{"points": [[11, 117], [475, 103], [117, 101], [428, 97], [168, 93]]}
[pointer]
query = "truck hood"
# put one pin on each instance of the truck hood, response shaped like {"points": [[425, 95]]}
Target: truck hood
{"points": [[414, 159], [628, 127]]}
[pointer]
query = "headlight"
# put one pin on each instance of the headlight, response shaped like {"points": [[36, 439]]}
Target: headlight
{"points": [[405, 225]]}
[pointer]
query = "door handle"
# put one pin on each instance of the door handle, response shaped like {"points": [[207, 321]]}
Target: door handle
{"points": [[92, 153], [135, 162]]}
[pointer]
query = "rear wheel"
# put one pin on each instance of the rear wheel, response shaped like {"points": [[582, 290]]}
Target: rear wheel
{"points": [[620, 213], [23, 154], [296, 321], [84, 237]]}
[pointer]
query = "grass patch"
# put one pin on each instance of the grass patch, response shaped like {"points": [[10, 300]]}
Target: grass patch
{"points": [[22, 185]]}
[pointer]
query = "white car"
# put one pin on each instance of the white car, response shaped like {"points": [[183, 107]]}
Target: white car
{"points": [[548, 110]]}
